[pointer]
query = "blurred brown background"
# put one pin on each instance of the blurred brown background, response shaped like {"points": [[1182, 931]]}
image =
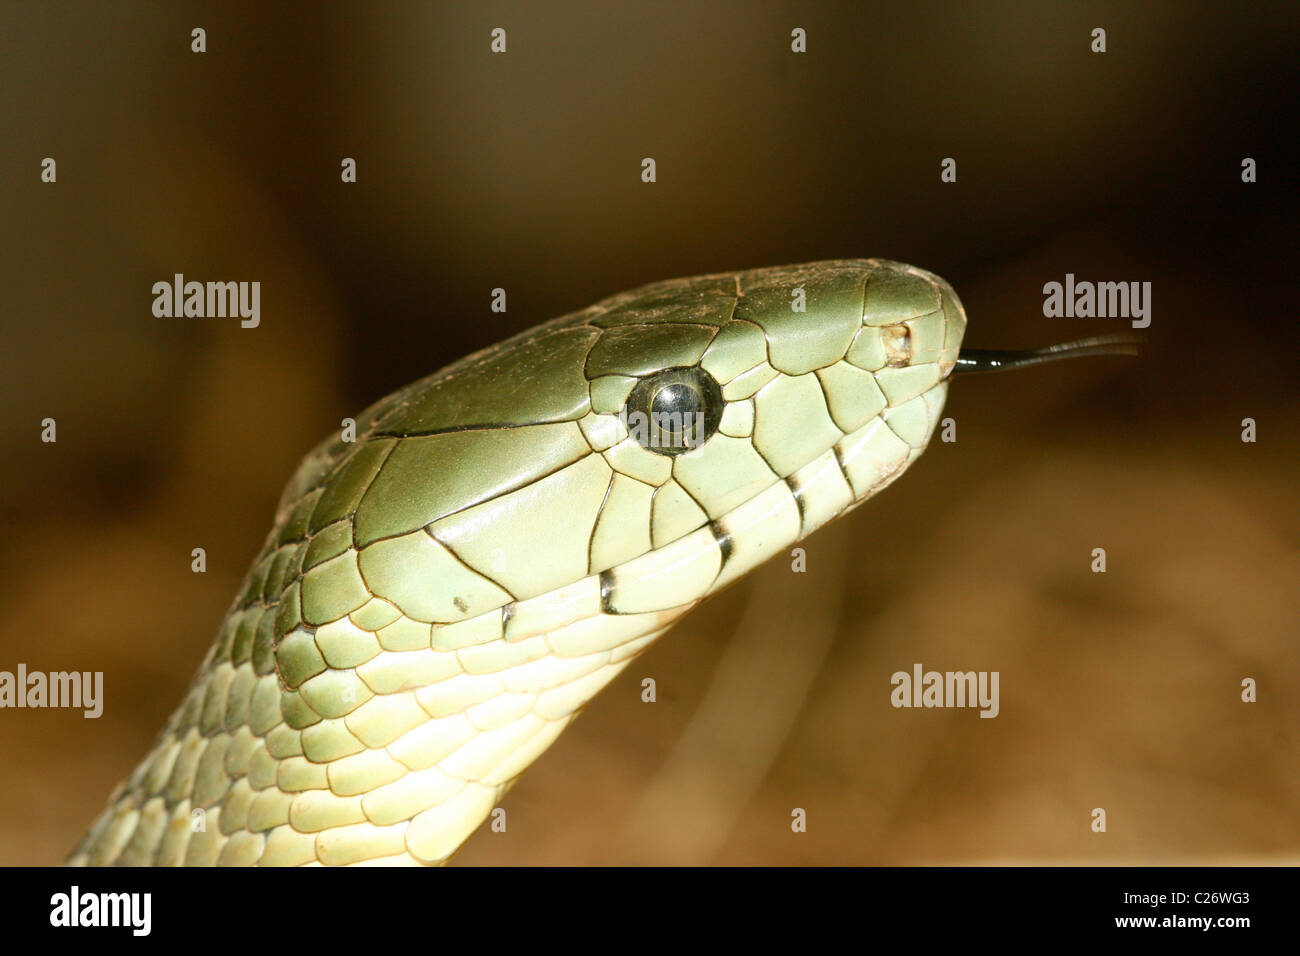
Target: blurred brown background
{"points": [[522, 171]]}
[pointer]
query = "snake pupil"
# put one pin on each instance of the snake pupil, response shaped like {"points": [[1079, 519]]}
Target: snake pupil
{"points": [[674, 411]]}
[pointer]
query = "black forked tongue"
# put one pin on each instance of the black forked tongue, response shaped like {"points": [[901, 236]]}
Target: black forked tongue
{"points": [[997, 360]]}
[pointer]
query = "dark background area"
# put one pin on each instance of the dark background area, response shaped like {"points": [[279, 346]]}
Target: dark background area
{"points": [[522, 171]]}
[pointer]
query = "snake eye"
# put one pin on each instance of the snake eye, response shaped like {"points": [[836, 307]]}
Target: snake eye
{"points": [[673, 411]]}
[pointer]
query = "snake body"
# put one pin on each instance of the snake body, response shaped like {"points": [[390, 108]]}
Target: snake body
{"points": [[439, 597]]}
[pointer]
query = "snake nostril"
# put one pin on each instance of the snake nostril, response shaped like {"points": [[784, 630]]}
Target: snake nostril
{"points": [[898, 345]]}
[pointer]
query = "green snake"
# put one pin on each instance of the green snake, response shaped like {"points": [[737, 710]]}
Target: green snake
{"points": [[444, 590]]}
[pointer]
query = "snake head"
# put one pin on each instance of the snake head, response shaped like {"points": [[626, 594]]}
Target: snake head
{"points": [[521, 469]]}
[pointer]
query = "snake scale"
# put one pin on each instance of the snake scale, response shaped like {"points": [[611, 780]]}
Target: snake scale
{"points": [[439, 597]]}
